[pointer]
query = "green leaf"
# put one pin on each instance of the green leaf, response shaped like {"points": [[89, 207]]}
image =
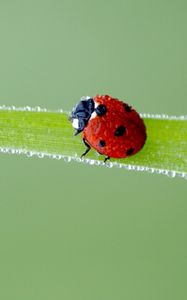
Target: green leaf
{"points": [[44, 133]]}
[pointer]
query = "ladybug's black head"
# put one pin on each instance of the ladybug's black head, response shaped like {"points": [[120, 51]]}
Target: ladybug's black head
{"points": [[81, 114]]}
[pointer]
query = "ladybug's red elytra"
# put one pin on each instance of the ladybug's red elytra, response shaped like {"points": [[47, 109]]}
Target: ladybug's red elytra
{"points": [[110, 126]]}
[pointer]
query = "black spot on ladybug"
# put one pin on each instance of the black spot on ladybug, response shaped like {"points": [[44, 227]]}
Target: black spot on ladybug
{"points": [[127, 107], [102, 143], [130, 151], [120, 130], [101, 110]]}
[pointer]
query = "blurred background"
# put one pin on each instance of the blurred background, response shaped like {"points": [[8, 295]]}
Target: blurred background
{"points": [[72, 231]]}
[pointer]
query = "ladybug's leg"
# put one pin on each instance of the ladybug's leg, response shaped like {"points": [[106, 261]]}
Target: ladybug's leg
{"points": [[77, 132], [106, 158], [87, 148]]}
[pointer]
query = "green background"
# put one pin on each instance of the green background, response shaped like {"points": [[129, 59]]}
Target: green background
{"points": [[72, 231]]}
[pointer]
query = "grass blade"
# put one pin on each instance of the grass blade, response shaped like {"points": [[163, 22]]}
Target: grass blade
{"points": [[44, 133]]}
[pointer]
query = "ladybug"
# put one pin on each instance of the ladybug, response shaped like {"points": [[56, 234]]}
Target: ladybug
{"points": [[110, 126]]}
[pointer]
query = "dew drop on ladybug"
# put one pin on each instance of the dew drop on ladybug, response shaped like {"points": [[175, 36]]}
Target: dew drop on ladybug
{"points": [[110, 126]]}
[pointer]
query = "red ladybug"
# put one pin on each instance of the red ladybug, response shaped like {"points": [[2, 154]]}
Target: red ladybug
{"points": [[110, 126]]}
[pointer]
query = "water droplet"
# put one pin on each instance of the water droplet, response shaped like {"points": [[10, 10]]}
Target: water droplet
{"points": [[37, 108], [27, 108], [164, 172], [139, 168], [181, 175], [67, 158], [171, 174], [109, 164], [40, 155], [158, 171], [97, 162], [11, 151], [91, 162], [29, 153], [58, 156]]}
